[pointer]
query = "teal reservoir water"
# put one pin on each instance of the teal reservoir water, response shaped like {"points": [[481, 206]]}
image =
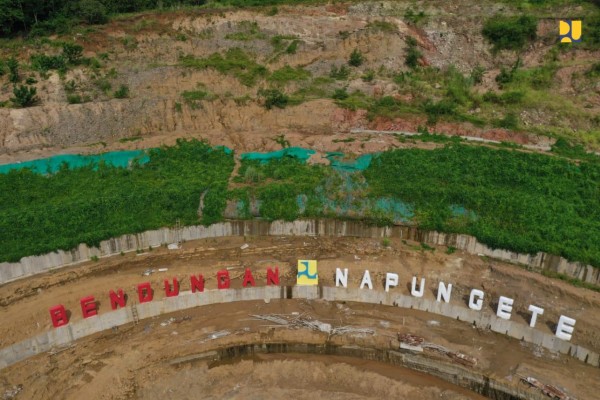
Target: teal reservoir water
{"points": [[52, 164]]}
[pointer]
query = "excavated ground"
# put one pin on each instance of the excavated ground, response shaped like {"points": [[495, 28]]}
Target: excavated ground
{"points": [[135, 361], [143, 52]]}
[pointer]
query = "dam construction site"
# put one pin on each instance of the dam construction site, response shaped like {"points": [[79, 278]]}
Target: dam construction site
{"points": [[274, 199]]}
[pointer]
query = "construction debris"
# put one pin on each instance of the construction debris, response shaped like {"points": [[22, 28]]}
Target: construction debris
{"points": [[244, 246], [12, 393], [175, 320], [551, 391], [295, 321], [418, 344]]}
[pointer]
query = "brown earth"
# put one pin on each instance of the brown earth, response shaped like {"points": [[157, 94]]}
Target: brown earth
{"points": [[142, 51], [133, 361]]}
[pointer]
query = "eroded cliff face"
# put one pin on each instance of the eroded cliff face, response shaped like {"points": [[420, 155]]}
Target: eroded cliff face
{"points": [[143, 52]]}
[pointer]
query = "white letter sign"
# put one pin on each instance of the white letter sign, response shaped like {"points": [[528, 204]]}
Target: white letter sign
{"points": [[476, 305]]}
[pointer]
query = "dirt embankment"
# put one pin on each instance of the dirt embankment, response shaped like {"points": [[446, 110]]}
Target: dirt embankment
{"points": [[136, 358], [143, 53]]}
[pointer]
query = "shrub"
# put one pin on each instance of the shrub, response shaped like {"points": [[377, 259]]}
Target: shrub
{"points": [[368, 76], [510, 121], [340, 94], [593, 72], [342, 73], [477, 74], [436, 109], [291, 49], [510, 33], [412, 54], [44, 63], [122, 92], [73, 53], [413, 17], [13, 69], [2, 67], [74, 99], [356, 58], [25, 96], [274, 98]]}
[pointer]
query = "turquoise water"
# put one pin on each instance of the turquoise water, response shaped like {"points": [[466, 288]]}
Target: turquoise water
{"points": [[296, 152], [52, 164], [360, 164]]}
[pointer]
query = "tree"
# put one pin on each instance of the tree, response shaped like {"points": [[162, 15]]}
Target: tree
{"points": [[356, 58], [25, 96], [92, 11], [10, 17]]}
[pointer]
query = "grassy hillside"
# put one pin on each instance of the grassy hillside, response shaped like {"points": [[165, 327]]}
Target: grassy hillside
{"points": [[506, 198]]}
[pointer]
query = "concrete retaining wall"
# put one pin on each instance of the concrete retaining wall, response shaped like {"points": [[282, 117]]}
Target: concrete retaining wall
{"points": [[29, 266], [67, 334]]}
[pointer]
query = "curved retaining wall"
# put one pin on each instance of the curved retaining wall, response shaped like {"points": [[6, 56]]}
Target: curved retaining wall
{"points": [[74, 331], [452, 373], [29, 266]]}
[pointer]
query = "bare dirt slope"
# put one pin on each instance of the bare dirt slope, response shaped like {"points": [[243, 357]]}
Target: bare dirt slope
{"points": [[136, 360], [143, 52]]}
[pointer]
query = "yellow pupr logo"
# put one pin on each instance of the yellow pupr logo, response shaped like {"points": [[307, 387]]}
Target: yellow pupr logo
{"points": [[307, 273], [569, 31]]}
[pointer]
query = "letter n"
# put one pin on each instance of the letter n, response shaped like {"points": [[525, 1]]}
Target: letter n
{"points": [[272, 276], [197, 284], [117, 299]]}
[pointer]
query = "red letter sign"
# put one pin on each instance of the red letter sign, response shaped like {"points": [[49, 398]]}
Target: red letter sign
{"points": [[88, 307], [117, 299], [145, 293], [223, 281], [59, 316], [272, 277], [197, 284], [248, 278], [172, 292]]}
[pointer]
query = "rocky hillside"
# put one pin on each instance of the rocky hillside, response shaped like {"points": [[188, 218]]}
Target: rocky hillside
{"points": [[313, 74]]}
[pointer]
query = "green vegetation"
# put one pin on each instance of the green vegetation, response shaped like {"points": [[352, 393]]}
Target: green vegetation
{"points": [[511, 33], [382, 26], [342, 73], [245, 31], [274, 98], [288, 74], [235, 62], [193, 98], [130, 139], [122, 92], [414, 17], [13, 69], [74, 99], [44, 213], [356, 58], [25, 96], [537, 203], [413, 55]]}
